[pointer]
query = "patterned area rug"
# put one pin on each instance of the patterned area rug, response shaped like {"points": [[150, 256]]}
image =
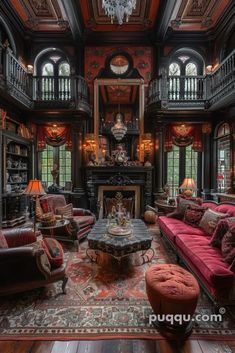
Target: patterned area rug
{"points": [[102, 302]]}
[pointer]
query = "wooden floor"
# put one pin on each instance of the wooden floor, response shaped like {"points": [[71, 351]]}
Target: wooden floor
{"points": [[116, 346]]}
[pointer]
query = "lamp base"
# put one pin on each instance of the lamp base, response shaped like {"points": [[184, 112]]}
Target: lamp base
{"points": [[188, 193]]}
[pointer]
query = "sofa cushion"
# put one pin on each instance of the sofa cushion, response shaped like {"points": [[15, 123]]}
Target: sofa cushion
{"points": [[210, 220], [65, 211], [172, 227], [193, 215], [84, 221], [205, 259], [228, 245], [3, 242], [226, 208], [54, 252], [220, 230]]}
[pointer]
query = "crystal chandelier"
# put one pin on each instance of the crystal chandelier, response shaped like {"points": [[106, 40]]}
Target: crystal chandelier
{"points": [[119, 9], [119, 129]]}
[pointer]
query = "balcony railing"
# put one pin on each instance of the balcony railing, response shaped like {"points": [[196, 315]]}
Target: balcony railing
{"points": [[210, 91], [70, 91]]}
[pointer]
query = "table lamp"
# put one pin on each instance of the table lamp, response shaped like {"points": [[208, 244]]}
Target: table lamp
{"points": [[34, 189], [188, 185]]}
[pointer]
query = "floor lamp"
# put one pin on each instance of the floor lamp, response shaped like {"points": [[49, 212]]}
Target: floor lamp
{"points": [[34, 189]]}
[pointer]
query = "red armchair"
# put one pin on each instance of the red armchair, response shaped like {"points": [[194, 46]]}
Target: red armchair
{"points": [[82, 220], [25, 267]]}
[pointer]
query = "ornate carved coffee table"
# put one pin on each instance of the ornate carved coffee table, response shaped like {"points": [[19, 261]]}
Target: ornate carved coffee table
{"points": [[101, 242]]}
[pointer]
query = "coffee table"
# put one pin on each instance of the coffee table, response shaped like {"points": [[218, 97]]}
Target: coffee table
{"points": [[100, 241]]}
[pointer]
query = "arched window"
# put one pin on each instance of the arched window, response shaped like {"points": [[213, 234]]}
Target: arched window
{"points": [[53, 71], [183, 81], [182, 162], [223, 152], [59, 156]]}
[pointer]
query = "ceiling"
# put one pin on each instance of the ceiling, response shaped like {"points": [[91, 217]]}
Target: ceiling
{"points": [[197, 15], [142, 18], [41, 15], [87, 17], [115, 94]]}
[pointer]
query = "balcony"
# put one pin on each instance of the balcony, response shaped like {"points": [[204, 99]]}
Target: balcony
{"points": [[41, 92], [213, 91]]}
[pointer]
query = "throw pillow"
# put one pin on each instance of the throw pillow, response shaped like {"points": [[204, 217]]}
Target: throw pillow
{"points": [[38, 209], [3, 242], [54, 252], [182, 205], [228, 246], [193, 215], [210, 220], [221, 228], [45, 205], [65, 211]]}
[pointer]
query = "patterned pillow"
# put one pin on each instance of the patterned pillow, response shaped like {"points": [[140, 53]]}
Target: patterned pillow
{"points": [[45, 205], [65, 211], [3, 242], [193, 215], [221, 228], [228, 246], [182, 205], [210, 220], [54, 252]]}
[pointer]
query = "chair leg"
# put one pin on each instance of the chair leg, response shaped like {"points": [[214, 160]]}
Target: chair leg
{"points": [[65, 280]]}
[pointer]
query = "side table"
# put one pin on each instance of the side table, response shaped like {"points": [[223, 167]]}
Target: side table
{"points": [[164, 208]]}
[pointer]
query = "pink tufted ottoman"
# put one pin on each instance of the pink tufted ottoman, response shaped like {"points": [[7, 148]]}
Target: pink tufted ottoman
{"points": [[173, 294]]}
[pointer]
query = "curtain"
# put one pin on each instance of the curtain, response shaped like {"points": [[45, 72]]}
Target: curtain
{"points": [[54, 136], [183, 135]]}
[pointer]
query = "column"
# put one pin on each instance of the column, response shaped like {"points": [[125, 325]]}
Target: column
{"points": [[206, 162], [78, 196], [158, 161]]}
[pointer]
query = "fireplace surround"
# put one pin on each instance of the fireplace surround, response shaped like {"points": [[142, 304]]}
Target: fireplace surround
{"points": [[136, 178]]}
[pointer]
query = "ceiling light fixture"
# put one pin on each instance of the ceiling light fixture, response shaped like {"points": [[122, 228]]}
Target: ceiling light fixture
{"points": [[119, 129], [119, 9]]}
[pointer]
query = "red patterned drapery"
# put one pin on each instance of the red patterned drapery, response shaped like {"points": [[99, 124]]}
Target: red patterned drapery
{"points": [[183, 135], [54, 135]]}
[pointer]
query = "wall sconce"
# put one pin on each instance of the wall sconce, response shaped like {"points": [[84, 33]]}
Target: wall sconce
{"points": [[147, 146], [209, 69], [89, 145], [30, 69]]}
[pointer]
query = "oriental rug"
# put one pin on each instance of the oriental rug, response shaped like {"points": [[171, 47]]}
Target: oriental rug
{"points": [[101, 303]]}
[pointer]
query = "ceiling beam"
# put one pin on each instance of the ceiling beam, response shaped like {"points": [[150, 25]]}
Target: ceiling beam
{"points": [[163, 18], [73, 12]]}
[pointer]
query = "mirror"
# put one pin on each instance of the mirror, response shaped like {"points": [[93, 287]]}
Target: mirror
{"points": [[119, 116]]}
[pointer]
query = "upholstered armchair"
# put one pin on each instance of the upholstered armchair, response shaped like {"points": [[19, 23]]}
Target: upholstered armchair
{"points": [[24, 264], [82, 220]]}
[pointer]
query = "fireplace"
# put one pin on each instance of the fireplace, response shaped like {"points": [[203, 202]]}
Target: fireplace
{"points": [[137, 179]]}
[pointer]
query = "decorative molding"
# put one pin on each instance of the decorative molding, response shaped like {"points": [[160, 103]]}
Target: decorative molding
{"points": [[119, 179]]}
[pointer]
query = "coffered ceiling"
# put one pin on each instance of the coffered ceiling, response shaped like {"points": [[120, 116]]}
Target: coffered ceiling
{"points": [[197, 15], [142, 18], [41, 15]]}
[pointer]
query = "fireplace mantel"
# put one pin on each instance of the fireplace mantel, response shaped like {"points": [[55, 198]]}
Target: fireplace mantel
{"points": [[141, 176]]}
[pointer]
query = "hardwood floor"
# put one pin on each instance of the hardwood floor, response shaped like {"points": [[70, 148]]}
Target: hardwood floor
{"points": [[116, 346]]}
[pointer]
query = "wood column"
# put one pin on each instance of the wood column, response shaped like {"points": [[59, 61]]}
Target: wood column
{"points": [[159, 160]]}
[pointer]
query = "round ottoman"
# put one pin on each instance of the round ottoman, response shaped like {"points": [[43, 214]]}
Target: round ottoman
{"points": [[173, 294]]}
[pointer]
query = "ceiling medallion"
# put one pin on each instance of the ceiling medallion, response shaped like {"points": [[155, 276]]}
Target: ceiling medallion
{"points": [[118, 9]]}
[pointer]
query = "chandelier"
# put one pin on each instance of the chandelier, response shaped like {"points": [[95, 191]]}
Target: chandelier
{"points": [[119, 9], [119, 129]]}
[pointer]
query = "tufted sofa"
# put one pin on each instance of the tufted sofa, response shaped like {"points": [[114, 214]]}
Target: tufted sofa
{"points": [[193, 247]]}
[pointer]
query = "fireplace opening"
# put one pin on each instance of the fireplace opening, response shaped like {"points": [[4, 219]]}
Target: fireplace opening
{"points": [[109, 196]]}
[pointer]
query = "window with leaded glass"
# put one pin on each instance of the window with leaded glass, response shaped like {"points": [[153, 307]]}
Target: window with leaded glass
{"points": [[60, 157], [223, 150], [173, 160]]}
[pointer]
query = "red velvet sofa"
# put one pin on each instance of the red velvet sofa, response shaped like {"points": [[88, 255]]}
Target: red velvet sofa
{"points": [[193, 247]]}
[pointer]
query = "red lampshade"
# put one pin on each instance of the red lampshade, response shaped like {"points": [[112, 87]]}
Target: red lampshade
{"points": [[34, 187], [188, 183]]}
